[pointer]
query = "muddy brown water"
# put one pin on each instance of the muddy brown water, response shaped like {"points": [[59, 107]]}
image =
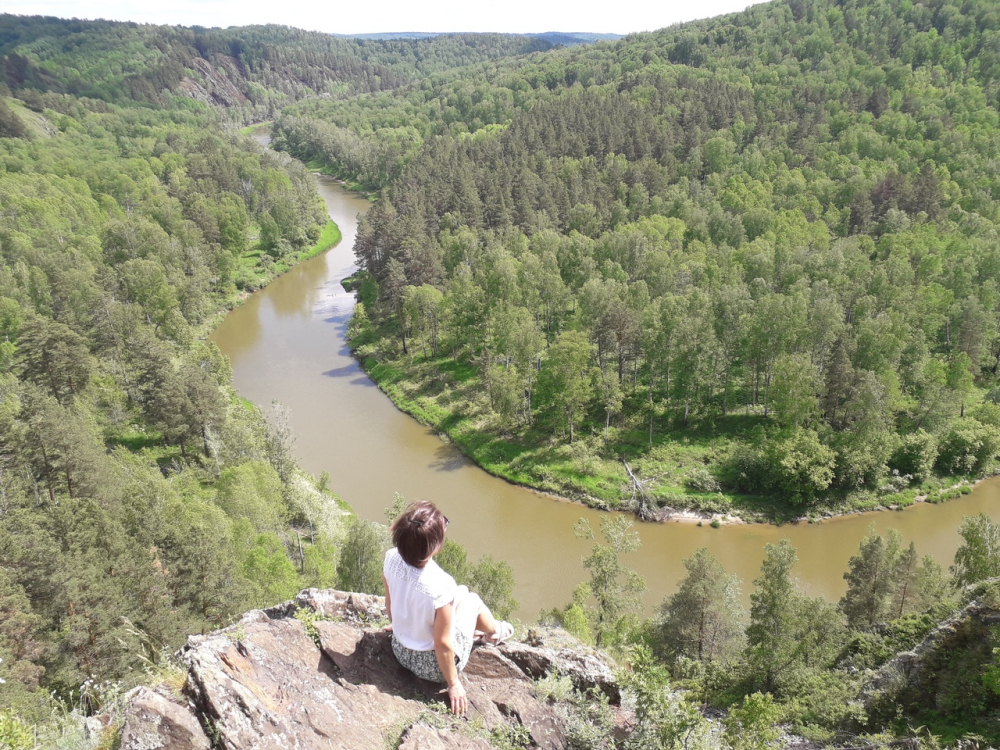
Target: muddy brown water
{"points": [[286, 343]]}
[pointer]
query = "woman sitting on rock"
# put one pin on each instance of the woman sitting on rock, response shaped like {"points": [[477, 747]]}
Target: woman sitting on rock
{"points": [[433, 620]]}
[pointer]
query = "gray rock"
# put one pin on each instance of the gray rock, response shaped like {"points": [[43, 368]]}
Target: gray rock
{"points": [[498, 691], [906, 670], [272, 688], [587, 668], [153, 722], [263, 684], [339, 605], [420, 737]]}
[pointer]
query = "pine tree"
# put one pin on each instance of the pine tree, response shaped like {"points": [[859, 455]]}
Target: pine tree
{"points": [[55, 357], [871, 580], [704, 619], [773, 613], [978, 557], [614, 586], [839, 380], [906, 582]]}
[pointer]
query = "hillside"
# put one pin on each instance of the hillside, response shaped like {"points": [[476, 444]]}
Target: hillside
{"points": [[319, 671], [250, 71], [566, 39], [751, 256]]}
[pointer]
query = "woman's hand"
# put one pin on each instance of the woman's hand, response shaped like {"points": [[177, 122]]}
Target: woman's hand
{"points": [[456, 695]]}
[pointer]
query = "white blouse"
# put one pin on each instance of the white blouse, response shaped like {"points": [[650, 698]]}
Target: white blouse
{"points": [[414, 596]]}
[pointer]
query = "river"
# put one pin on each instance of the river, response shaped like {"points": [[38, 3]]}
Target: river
{"points": [[286, 343]]}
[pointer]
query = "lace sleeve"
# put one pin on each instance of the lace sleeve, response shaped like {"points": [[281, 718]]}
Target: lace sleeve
{"points": [[444, 593]]}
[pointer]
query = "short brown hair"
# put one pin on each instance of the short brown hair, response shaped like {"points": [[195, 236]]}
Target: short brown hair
{"points": [[418, 532]]}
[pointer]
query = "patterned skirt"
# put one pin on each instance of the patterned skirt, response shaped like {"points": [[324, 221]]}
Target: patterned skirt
{"points": [[424, 664]]}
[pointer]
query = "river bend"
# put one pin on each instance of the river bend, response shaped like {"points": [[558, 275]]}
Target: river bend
{"points": [[287, 343]]}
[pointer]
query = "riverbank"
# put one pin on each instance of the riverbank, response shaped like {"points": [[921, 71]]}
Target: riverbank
{"points": [[255, 276], [447, 397], [327, 169]]}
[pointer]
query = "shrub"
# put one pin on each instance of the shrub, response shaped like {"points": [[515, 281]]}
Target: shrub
{"points": [[360, 567], [701, 479], [989, 412], [863, 461], [796, 464], [968, 447], [253, 491], [15, 734], [915, 454]]}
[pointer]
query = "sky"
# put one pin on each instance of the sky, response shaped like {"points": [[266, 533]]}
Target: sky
{"points": [[342, 17]]}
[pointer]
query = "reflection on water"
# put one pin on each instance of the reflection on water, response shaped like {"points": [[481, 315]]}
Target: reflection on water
{"points": [[287, 343]]}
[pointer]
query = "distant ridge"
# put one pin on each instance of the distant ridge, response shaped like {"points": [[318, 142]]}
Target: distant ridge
{"points": [[565, 38]]}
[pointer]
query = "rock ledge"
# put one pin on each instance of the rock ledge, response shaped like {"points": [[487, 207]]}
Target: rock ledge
{"points": [[272, 681]]}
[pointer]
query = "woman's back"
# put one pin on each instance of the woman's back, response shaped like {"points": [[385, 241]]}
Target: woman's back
{"points": [[416, 593]]}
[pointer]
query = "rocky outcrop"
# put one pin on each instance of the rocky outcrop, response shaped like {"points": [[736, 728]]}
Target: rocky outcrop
{"points": [[912, 676], [587, 668], [420, 737], [213, 86], [154, 722], [274, 681]]}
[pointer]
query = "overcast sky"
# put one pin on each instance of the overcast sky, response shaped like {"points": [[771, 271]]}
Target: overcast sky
{"points": [[515, 16]]}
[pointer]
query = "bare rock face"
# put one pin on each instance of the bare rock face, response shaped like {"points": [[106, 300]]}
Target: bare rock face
{"points": [[420, 737], [335, 605], [267, 685], [587, 668], [916, 671], [215, 83], [154, 723], [269, 682]]}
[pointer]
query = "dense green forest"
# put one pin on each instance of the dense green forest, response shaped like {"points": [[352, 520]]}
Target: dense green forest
{"points": [[754, 257], [251, 71], [141, 500]]}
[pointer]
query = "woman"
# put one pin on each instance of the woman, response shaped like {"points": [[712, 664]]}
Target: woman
{"points": [[433, 620]]}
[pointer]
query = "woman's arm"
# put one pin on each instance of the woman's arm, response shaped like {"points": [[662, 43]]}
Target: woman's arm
{"points": [[388, 604], [445, 651]]}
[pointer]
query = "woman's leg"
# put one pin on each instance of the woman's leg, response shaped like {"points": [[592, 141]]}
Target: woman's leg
{"points": [[472, 615]]}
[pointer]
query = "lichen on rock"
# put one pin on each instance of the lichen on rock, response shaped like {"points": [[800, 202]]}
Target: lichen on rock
{"points": [[270, 682]]}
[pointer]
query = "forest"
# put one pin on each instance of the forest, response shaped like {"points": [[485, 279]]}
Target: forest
{"points": [[753, 257], [141, 499], [746, 265], [792, 663], [249, 72]]}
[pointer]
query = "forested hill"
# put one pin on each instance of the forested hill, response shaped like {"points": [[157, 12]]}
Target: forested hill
{"points": [[141, 500], [253, 70], [755, 254], [565, 39]]}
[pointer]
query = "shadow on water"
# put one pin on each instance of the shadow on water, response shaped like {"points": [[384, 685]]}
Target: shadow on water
{"points": [[346, 371], [350, 371], [448, 458]]}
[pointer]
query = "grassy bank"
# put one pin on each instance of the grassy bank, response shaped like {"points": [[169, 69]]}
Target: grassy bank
{"points": [[325, 168], [256, 276], [251, 275], [329, 237], [449, 398], [251, 129]]}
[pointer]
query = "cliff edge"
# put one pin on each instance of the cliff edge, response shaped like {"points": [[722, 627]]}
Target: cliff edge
{"points": [[319, 672]]}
